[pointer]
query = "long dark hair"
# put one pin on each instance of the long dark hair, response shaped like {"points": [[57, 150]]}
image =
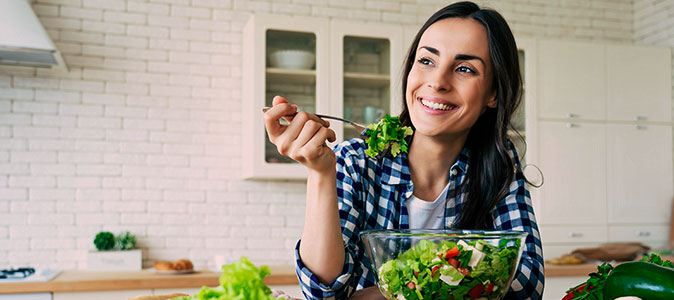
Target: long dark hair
{"points": [[491, 167]]}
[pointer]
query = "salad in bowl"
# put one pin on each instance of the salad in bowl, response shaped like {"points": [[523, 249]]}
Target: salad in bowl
{"points": [[443, 264]]}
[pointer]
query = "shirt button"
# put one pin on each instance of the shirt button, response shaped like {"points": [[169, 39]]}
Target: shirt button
{"points": [[454, 172]]}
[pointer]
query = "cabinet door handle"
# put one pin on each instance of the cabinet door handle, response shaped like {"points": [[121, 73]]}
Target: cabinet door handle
{"points": [[640, 118], [642, 233], [575, 234], [572, 115], [572, 125], [641, 127]]}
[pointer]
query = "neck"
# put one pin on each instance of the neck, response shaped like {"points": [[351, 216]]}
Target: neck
{"points": [[429, 161]]}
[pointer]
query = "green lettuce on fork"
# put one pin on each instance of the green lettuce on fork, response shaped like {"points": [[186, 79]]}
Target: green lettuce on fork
{"points": [[239, 281], [387, 133]]}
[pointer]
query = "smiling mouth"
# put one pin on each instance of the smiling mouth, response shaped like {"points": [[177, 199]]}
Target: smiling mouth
{"points": [[436, 105]]}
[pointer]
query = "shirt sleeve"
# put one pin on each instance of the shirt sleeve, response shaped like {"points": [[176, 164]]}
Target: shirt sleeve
{"points": [[348, 190], [516, 213]]}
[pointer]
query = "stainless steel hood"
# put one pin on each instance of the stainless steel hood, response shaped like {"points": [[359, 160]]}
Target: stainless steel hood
{"points": [[23, 40]]}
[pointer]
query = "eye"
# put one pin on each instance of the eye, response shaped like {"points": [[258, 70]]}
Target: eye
{"points": [[425, 61], [465, 69]]}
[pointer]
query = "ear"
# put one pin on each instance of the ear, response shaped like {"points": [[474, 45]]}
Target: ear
{"points": [[491, 102]]}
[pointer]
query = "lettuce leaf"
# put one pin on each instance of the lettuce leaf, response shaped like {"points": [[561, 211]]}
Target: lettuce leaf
{"points": [[387, 133], [239, 281]]}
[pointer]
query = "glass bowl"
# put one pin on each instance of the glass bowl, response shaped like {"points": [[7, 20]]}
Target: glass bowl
{"points": [[441, 264]]}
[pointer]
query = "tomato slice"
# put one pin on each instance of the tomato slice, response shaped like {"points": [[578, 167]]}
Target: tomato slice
{"points": [[434, 269], [476, 291], [452, 252], [489, 288], [453, 262]]}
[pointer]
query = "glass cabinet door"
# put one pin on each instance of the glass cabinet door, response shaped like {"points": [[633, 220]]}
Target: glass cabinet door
{"points": [[368, 57], [281, 56], [291, 73], [366, 81]]}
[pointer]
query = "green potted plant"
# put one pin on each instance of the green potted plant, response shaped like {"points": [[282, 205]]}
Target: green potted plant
{"points": [[114, 253]]}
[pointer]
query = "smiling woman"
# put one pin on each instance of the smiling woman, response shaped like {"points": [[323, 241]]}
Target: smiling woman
{"points": [[461, 83]]}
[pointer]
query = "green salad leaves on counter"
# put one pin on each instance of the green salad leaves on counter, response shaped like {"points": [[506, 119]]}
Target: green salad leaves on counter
{"points": [[449, 270], [387, 133], [239, 281]]}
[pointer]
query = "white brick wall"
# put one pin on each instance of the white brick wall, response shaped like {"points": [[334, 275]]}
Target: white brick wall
{"points": [[143, 132]]}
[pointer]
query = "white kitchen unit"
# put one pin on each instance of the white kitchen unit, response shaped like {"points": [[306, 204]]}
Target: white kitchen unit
{"points": [[605, 144], [27, 296], [102, 295], [356, 66], [368, 61], [306, 86]]}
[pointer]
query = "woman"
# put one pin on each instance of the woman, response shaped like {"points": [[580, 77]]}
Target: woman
{"points": [[461, 84]]}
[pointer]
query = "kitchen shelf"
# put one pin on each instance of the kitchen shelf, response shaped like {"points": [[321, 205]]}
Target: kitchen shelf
{"points": [[278, 75], [366, 80]]}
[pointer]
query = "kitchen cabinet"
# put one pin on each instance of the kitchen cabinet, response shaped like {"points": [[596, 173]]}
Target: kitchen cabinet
{"points": [[572, 160], [571, 77], [639, 82], [26, 296], [605, 144], [356, 66], [639, 173], [366, 64], [306, 86]]}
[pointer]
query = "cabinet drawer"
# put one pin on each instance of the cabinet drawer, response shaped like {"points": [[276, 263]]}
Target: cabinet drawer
{"points": [[573, 234], [637, 233], [557, 250]]}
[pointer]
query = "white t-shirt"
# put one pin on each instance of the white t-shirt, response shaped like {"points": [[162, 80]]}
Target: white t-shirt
{"points": [[425, 214]]}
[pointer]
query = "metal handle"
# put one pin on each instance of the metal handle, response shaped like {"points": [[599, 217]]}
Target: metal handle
{"points": [[641, 127], [572, 125], [642, 233], [575, 235], [640, 118], [572, 115]]}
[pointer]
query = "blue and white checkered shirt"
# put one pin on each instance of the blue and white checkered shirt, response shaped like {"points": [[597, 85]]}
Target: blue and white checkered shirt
{"points": [[372, 195]]}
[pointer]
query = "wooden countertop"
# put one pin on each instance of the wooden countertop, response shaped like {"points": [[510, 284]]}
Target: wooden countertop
{"points": [[81, 281], [552, 270]]}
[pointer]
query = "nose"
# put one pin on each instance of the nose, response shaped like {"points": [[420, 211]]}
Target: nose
{"points": [[439, 80]]}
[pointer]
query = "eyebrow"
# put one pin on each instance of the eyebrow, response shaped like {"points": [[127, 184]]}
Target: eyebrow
{"points": [[457, 57]]}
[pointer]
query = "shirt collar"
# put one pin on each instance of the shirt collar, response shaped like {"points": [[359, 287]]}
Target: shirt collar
{"points": [[395, 171]]}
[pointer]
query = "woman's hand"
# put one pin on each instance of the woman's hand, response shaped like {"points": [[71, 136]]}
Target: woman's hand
{"points": [[304, 139], [371, 293]]}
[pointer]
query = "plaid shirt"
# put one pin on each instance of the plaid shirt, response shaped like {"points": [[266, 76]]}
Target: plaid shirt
{"points": [[372, 195]]}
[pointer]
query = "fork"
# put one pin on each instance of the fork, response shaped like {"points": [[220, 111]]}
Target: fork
{"points": [[360, 127]]}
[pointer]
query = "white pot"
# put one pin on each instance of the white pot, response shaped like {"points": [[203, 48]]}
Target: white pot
{"points": [[127, 260]]}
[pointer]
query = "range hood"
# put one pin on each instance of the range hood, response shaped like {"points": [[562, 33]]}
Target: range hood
{"points": [[23, 40]]}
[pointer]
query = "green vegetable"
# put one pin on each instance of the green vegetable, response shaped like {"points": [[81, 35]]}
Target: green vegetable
{"points": [[125, 241], [592, 288], [239, 281], [640, 279], [104, 240], [387, 133], [443, 270]]}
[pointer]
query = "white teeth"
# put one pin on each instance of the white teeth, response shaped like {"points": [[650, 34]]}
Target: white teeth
{"points": [[435, 105]]}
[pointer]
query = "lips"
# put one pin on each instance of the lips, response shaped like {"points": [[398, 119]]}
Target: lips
{"points": [[437, 104]]}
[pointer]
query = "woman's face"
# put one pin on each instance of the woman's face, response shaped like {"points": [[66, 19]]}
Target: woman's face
{"points": [[450, 83]]}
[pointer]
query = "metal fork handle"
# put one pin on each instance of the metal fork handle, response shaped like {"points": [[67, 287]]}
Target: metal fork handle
{"points": [[360, 127]]}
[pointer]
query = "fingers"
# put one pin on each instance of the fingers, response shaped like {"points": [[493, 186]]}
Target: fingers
{"points": [[280, 108], [312, 145]]}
